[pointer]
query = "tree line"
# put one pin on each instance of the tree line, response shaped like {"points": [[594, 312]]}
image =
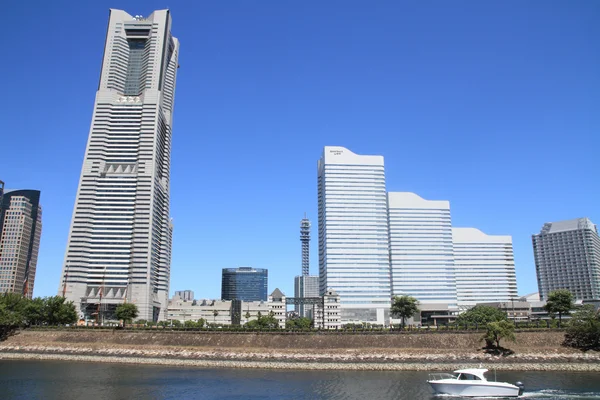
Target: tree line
{"points": [[18, 311]]}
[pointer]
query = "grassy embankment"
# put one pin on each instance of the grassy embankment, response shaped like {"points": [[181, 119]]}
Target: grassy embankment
{"points": [[537, 350]]}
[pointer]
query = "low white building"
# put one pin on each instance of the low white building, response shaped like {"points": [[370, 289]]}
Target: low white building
{"points": [[223, 312], [328, 315]]}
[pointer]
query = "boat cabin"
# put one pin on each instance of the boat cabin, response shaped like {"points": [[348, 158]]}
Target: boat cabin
{"points": [[471, 374]]}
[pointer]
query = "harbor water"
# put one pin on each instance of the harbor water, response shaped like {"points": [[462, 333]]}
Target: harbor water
{"points": [[101, 381]]}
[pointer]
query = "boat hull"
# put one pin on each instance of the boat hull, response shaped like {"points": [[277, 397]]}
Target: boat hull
{"points": [[475, 389]]}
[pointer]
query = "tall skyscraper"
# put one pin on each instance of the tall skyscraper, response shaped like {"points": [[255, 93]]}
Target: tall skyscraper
{"points": [[485, 267], [422, 259], [20, 232], [305, 285], [353, 234], [567, 256], [119, 246], [244, 283]]}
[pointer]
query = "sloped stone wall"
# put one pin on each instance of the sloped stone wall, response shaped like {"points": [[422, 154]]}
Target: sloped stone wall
{"points": [[444, 341]]}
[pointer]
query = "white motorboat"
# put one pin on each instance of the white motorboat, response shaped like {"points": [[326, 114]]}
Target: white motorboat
{"points": [[472, 383]]}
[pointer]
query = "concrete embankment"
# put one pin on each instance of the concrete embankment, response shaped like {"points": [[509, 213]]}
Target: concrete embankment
{"points": [[445, 351]]}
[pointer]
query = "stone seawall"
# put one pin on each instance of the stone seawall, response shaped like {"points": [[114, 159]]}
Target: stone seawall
{"points": [[441, 351], [430, 341]]}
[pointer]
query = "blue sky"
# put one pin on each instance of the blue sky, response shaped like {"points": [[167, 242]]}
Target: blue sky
{"points": [[493, 105]]}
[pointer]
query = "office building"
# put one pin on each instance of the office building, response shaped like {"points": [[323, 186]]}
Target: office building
{"points": [[485, 267], [244, 283], [20, 232], [567, 256], [421, 253], [353, 234], [305, 286], [119, 245], [185, 295]]}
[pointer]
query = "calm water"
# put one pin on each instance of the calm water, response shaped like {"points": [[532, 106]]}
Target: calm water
{"points": [[63, 380]]}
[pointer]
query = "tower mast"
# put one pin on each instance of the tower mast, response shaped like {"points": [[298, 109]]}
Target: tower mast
{"points": [[305, 240]]}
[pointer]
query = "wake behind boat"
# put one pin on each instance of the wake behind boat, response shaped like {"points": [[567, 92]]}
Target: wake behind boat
{"points": [[472, 383]]}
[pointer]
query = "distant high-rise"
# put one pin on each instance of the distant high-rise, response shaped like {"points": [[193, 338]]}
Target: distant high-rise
{"points": [[20, 232], [422, 261], [244, 283], [485, 267], [567, 256], [185, 295], [119, 246], [353, 234]]}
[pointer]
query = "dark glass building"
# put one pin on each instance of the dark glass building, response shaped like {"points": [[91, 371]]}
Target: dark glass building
{"points": [[244, 283]]}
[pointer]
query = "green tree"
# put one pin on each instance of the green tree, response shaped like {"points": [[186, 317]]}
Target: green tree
{"points": [[215, 314], [247, 316], [584, 329], [127, 312], [190, 324], [57, 311], [560, 302], [498, 330], [34, 312], [481, 315], [12, 309], [176, 323], [404, 307], [263, 322], [201, 323], [299, 323]]}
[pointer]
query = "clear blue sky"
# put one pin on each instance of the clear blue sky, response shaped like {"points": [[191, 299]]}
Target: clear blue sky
{"points": [[493, 105]]}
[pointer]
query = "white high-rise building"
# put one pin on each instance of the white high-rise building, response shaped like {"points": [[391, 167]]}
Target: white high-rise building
{"points": [[119, 246], [567, 256], [422, 259], [485, 267], [353, 234]]}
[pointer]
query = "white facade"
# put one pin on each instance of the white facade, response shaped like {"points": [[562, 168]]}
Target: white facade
{"points": [[327, 315], [485, 267], [421, 252], [353, 234], [119, 245]]}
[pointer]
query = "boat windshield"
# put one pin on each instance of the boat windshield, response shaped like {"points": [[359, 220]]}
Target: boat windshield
{"points": [[468, 377]]}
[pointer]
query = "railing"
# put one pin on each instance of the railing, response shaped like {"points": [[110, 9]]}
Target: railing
{"points": [[441, 375]]}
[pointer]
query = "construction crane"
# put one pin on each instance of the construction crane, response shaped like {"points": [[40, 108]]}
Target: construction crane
{"points": [[64, 291]]}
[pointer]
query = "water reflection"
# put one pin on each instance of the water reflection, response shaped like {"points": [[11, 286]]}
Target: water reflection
{"points": [[63, 380]]}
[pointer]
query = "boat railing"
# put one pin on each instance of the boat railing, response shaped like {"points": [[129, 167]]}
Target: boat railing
{"points": [[441, 375]]}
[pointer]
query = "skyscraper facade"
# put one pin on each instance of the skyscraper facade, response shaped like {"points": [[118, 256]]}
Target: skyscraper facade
{"points": [[422, 258], [485, 267], [567, 256], [20, 233], [305, 286], [244, 283], [353, 234], [119, 246]]}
